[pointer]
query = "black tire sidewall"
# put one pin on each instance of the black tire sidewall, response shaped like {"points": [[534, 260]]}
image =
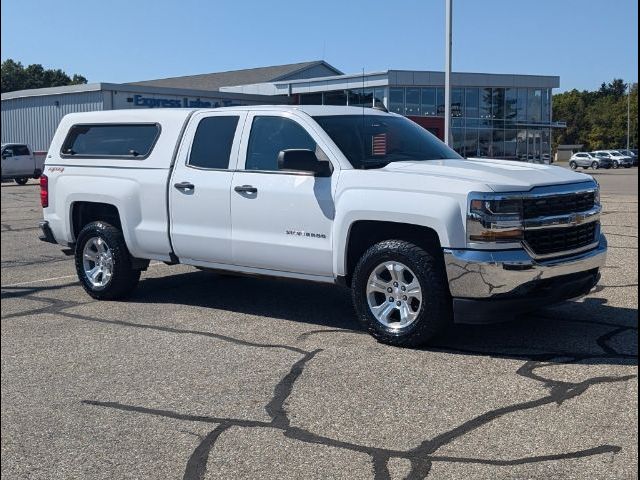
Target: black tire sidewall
{"points": [[124, 277], [595, 165], [21, 181], [435, 310], [573, 165]]}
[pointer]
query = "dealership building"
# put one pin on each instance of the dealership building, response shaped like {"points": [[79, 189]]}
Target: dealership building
{"points": [[493, 115]]}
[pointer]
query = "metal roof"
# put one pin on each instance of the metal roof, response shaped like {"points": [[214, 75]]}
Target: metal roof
{"points": [[216, 80]]}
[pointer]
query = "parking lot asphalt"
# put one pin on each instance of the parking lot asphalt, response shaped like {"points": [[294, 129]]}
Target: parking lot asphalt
{"points": [[202, 376]]}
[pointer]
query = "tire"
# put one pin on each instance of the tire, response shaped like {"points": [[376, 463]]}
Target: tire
{"points": [[616, 165], [595, 165], [116, 260], [573, 165], [21, 180], [433, 313], [627, 166]]}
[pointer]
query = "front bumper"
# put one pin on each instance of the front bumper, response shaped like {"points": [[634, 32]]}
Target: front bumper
{"points": [[491, 286]]}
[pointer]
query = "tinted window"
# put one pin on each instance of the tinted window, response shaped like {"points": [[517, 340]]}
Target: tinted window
{"points": [[376, 140], [132, 140], [270, 135], [20, 150], [212, 142]]}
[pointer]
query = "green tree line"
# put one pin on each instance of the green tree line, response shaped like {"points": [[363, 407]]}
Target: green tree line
{"points": [[597, 119], [15, 76]]}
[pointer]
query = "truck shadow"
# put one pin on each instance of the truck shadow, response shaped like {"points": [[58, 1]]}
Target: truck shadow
{"points": [[589, 331]]}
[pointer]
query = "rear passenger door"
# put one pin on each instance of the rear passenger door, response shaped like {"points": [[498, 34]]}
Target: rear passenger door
{"points": [[199, 190], [23, 160]]}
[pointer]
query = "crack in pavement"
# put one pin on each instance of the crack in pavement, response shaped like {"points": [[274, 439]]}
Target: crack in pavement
{"points": [[422, 457]]}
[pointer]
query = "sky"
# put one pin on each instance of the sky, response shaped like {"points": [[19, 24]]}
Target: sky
{"points": [[585, 42]]}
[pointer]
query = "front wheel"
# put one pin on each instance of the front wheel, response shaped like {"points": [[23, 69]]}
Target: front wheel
{"points": [[595, 165], [21, 180], [400, 293], [103, 262], [573, 165], [616, 164]]}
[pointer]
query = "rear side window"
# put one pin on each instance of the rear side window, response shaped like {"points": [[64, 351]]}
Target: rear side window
{"points": [[212, 142], [134, 140]]}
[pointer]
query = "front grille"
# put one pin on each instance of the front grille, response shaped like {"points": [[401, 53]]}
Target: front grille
{"points": [[558, 204], [558, 240]]}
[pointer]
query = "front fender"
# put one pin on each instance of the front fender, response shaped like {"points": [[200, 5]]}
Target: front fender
{"points": [[440, 213]]}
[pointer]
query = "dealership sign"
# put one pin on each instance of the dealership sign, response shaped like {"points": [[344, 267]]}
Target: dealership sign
{"points": [[155, 102]]}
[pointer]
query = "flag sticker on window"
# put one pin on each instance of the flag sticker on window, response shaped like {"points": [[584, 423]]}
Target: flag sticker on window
{"points": [[379, 144]]}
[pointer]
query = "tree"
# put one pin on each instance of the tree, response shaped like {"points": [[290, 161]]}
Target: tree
{"points": [[597, 119], [15, 76]]}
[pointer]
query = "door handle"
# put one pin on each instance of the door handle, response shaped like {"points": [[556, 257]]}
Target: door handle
{"points": [[246, 189], [184, 186]]}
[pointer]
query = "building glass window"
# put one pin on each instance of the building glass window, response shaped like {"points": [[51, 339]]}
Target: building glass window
{"points": [[311, 98], [471, 109], [412, 101], [521, 110], [498, 103], [484, 142], [378, 97], [440, 102], [361, 97], [510, 144], [545, 145], [521, 145], [457, 102], [546, 105], [457, 135], [396, 100], [486, 106], [497, 145], [471, 142], [428, 102], [338, 97], [511, 105], [534, 105]]}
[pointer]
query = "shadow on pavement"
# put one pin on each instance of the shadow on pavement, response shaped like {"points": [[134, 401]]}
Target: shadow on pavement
{"points": [[590, 331]]}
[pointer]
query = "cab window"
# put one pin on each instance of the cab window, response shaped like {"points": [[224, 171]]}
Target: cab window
{"points": [[269, 135]]}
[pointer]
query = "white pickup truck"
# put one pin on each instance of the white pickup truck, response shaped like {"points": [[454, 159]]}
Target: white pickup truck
{"points": [[345, 195], [19, 163]]}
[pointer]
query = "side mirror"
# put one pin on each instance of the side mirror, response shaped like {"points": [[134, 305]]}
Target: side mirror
{"points": [[300, 160]]}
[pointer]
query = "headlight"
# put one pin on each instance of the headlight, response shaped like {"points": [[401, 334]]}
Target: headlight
{"points": [[492, 218]]}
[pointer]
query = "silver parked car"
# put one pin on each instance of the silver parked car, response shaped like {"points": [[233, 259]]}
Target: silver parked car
{"points": [[586, 160]]}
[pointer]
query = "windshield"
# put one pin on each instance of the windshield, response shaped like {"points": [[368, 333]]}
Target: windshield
{"points": [[373, 141]]}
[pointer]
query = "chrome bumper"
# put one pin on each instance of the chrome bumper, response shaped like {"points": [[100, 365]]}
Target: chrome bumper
{"points": [[487, 274]]}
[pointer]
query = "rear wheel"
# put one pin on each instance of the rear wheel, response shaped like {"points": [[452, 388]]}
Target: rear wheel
{"points": [[21, 181], [595, 165], [616, 164], [573, 165], [400, 293], [103, 262]]}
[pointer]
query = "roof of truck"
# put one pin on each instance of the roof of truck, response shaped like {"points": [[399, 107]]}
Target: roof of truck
{"points": [[155, 114]]}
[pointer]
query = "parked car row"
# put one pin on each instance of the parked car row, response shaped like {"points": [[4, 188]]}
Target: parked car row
{"points": [[604, 159]]}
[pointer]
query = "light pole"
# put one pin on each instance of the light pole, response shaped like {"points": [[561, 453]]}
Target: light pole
{"points": [[628, 113], [447, 73]]}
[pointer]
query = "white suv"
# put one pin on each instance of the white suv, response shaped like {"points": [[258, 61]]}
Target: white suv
{"points": [[617, 159]]}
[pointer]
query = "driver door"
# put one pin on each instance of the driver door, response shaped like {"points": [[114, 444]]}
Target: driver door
{"points": [[281, 220]]}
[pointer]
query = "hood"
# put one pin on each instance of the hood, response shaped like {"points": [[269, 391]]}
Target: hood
{"points": [[499, 175]]}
